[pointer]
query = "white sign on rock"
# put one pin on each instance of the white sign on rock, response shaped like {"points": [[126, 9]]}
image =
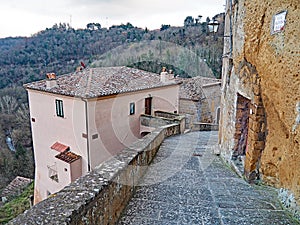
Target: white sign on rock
{"points": [[278, 22]]}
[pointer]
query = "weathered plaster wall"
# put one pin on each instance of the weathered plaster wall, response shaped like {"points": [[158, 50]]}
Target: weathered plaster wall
{"points": [[112, 125], [272, 71], [47, 128]]}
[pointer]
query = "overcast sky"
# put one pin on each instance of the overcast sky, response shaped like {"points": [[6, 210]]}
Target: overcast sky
{"points": [[27, 17]]}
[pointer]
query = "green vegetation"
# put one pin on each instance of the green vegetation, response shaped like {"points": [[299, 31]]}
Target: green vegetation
{"points": [[155, 54], [14, 123], [16, 206]]}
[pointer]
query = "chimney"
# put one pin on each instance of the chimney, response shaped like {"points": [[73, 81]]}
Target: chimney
{"points": [[166, 76], [171, 75], [79, 68], [51, 81]]}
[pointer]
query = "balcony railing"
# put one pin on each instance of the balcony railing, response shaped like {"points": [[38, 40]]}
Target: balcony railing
{"points": [[52, 172]]}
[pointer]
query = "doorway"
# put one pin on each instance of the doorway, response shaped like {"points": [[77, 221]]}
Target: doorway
{"points": [[218, 115], [241, 126], [148, 106]]}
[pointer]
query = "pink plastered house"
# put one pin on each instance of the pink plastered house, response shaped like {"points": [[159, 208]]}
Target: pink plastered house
{"points": [[81, 119]]}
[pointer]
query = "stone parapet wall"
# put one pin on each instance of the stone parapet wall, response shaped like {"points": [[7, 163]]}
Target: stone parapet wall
{"points": [[161, 119], [166, 115], [101, 195]]}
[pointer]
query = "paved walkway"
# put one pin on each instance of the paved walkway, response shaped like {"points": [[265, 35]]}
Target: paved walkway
{"points": [[187, 184]]}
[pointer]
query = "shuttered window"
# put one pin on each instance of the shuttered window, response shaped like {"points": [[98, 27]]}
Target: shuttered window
{"points": [[59, 108]]}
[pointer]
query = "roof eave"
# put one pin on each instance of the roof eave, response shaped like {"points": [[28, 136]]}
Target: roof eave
{"points": [[98, 96]]}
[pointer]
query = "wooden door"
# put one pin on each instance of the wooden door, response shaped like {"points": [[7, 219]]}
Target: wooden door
{"points": [[148, 105]]}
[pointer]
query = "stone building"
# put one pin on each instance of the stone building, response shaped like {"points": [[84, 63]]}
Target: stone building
{"points": [[81, 119], [260, 102], [199, 100], [212, 90], [15, 188]]}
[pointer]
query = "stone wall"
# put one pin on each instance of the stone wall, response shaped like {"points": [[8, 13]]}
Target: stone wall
{"points": [[212, 93], [195, 111], [263, 67], [199, 100], [15, 188], [100, 196], [205, 127]]}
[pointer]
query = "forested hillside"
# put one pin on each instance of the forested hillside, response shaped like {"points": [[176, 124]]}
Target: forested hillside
{"points": [[61, 48]]}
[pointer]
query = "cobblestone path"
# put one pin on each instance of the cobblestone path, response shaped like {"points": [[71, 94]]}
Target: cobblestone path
{"points": [[187, 184]]}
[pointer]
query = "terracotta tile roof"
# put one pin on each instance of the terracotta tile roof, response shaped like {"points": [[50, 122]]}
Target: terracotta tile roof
{"points": [[68, 157], [102, 81], [16, 186], [59, 147]]}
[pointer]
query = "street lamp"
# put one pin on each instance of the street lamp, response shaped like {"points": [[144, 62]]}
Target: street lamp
{"points": [[213, 26]]}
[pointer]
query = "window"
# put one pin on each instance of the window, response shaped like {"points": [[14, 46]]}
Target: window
{"points": [[59, 108], [48, 193], [132, 108], [95, 136]]}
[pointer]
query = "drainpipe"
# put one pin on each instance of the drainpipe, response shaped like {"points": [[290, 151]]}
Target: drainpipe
{"points": [[87, 133], [230, 28]]}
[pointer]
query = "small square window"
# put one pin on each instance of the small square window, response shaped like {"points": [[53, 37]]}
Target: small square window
{"points": [[95, 136], [48, 193], [59, 108], [132, 108]]}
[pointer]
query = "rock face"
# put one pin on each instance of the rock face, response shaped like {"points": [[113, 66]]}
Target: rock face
{"points": [[261, 65]]}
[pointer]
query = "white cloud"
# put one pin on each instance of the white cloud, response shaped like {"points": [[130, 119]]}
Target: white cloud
{"points": [[19, 17]]}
